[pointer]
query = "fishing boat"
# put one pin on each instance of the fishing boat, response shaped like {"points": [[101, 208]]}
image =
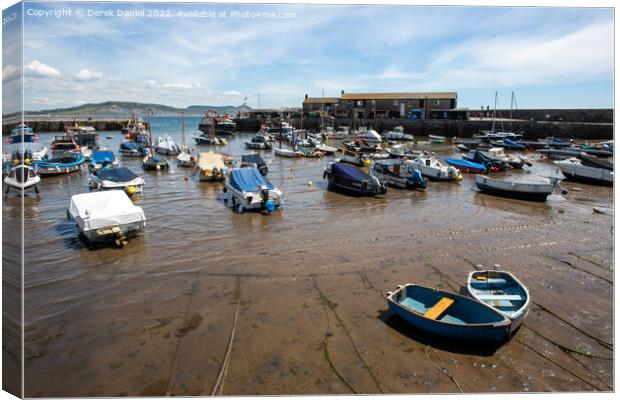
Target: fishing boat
{"points": [[436, 139], [247, 189], [106, 216], [397, 173], [432, 168], [398, 133], [467, 166], [131, 149], [86, 137], [64, 164], [22, 178], [287, 153], [591, 161], [211, 166], [259, 142], [23, 140], [101, 159], [222, 125], [352, 180], [64, 143], [448, 315], [166, 146], [255, 161], [533, 191], [501, 291], [574, 170], [116, 178]]}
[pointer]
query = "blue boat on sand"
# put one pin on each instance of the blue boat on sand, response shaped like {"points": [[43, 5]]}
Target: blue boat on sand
{"points": [[447, 314], [467, 166]]}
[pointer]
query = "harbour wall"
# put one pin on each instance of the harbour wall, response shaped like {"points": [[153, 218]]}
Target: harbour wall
{"points": [[532, 129]]}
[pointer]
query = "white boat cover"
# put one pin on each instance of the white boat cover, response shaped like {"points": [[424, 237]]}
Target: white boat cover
{"points": [[210, 160], [104, 209]]}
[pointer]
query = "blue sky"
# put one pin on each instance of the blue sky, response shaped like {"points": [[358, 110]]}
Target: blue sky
{"points": [[550, 57]]}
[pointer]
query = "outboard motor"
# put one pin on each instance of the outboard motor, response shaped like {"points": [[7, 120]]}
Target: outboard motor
{"points": [[418, 179], [267, 203]]}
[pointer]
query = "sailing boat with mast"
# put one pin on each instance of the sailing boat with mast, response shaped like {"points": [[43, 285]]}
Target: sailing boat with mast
{"points": [[151, 162], [185, 158], [488, 136]]}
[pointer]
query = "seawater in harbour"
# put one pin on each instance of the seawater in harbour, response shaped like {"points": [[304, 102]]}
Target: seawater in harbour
{"points": [[156, 317]]}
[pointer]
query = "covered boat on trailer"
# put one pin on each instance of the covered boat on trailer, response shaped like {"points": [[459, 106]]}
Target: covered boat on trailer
{"points": [[247, 189]]}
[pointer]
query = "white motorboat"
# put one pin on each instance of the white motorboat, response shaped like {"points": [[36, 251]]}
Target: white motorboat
{"points": [[325, 149], [574, 170], [22, 178], [166, 146], [533, 191], [259, 142], [185, 159], [369, 138], [287, 153], [107, 216], [116, 178], [433, 169], [499, 154], [247, 189], [395, 172], [398, 133]]}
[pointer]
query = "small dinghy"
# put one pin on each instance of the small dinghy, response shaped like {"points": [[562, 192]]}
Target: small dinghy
{"points": [[101, 159], [131, 149], [65, 164], [255, 161], [210, 140], [185, 159], [447, 314], [211, 166], [574, 170], [516, 190], [592, 161], [116, 178], [509, 144], [433, 169], [151, 162], [287, 153], [436, 139], [166, 146], [397, 173], [501, 291], [246, 189], [467, 166], [309, 153], [398, 133], [325, 149], [107, 216], [350, 179], [22, 178]]}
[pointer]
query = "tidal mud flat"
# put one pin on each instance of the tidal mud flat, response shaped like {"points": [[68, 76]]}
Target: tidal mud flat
{"points": [[208, 301]]}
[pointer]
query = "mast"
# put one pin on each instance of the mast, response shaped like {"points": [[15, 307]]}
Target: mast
{"points": [[183, 129], [148, 114], [494, 111]]}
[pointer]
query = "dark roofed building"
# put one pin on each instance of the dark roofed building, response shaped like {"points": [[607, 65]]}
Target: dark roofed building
{"points": [[314, 104]]}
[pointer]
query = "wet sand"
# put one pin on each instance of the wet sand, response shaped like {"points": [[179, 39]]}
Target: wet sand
{"points": [[210, 301]]}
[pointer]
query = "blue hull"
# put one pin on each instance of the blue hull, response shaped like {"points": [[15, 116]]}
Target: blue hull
{"points": [[496, 329]]}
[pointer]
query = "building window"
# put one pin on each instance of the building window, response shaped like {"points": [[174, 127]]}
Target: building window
{"points": [[437, 102]]}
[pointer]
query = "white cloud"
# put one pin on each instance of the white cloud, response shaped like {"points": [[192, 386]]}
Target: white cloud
{"points": [[178, 85], [233, 93], [37, 69], [10, 72], [88, 75]]}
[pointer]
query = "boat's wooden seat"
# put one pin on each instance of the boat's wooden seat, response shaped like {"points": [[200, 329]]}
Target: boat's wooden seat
{"points": [[512, 297], [438, 309]]}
